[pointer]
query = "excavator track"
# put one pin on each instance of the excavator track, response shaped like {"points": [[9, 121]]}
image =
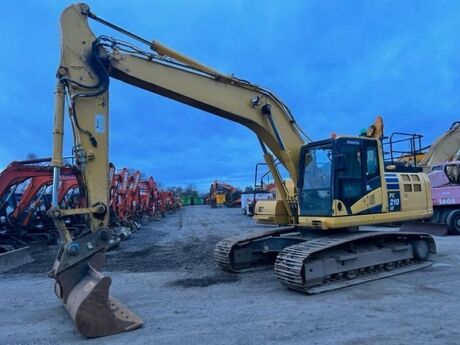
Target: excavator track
{"points": [[225, 249], [334, 262]]}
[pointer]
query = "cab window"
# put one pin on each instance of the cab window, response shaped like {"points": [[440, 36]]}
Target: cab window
{"points": [[372, 163], [372, 173]]}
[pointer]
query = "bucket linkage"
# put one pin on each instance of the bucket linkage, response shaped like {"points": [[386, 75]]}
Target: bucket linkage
{"points": [[85, 292]]}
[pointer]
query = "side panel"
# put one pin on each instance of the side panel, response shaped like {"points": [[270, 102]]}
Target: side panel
{"points": [[415, 192], [271, 212], [370, 203], [326, 223]]}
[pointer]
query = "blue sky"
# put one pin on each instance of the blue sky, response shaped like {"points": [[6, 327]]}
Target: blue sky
{"points": [[336, 64]]}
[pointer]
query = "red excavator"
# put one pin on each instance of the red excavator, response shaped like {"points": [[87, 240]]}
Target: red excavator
{"points": [[23, 207], [121, 195], [133, 199], [166, 202], [22, 188], [125, 197], [29, 215], [69, 193], [149, 199]]}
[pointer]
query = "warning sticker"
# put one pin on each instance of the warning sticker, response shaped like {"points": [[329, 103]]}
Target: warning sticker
{"points": [[99, 123]]}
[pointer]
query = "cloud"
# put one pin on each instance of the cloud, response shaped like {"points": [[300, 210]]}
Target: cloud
{"points": [[336, 64]]}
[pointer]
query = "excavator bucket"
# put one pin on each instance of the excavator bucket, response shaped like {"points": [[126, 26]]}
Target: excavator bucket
{"points": [[85, 294]]}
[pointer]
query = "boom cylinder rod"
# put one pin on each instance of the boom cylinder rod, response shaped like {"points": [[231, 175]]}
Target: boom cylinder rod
{"points": [[264, 148], [58, 127], [267, 110], [58, 136], [56, 175]]}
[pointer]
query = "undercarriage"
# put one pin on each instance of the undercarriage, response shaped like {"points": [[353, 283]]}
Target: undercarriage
{"points": [[313, 261]]}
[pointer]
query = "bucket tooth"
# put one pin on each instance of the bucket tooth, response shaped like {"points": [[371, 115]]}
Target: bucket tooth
{"points": [[85, 294]]}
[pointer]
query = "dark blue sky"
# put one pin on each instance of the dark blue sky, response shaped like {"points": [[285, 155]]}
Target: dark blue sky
{"points": [[335, 63]]}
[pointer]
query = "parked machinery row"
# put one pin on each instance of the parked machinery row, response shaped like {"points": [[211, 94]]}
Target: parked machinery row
{"points": [[135, 201], [25, 198]]}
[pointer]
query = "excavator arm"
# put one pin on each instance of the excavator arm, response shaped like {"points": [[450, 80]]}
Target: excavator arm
{"points": [[446, 147], [87, 64]]}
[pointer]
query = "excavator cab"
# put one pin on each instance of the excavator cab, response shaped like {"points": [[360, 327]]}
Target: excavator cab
{"points": [[343, 183], [336, 174]]}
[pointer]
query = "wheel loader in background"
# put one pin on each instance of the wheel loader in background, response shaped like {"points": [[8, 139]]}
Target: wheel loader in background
{"points": [[340, 182]]}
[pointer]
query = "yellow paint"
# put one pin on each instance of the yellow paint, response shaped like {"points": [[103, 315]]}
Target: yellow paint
{"points": [[220, 199], [370, 200], [335, 208], [367, 219], [271, 212]]}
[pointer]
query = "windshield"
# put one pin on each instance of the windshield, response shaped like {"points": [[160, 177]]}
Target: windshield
{"points": [[315, 198]]}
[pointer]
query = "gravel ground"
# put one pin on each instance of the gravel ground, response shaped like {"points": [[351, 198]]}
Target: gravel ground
{"points": [[166, 274]]}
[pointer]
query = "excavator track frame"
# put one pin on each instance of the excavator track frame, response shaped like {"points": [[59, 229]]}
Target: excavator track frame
{"points": [[335, 262], [346, 259], [226, 251]]}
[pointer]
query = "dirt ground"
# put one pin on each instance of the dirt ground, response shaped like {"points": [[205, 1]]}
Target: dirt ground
{"points": [[166, 274]]}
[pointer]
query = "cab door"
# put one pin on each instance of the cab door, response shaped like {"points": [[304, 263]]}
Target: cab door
{"points": [[358, 180], [350, 177], [373, 178]]}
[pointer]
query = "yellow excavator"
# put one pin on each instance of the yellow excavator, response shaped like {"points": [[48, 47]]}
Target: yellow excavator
{"points": [[339, 183], [446, 147]]}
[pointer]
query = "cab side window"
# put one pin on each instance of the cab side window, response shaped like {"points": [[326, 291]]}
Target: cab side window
{"points": [[372, 162], [372, 167]]}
